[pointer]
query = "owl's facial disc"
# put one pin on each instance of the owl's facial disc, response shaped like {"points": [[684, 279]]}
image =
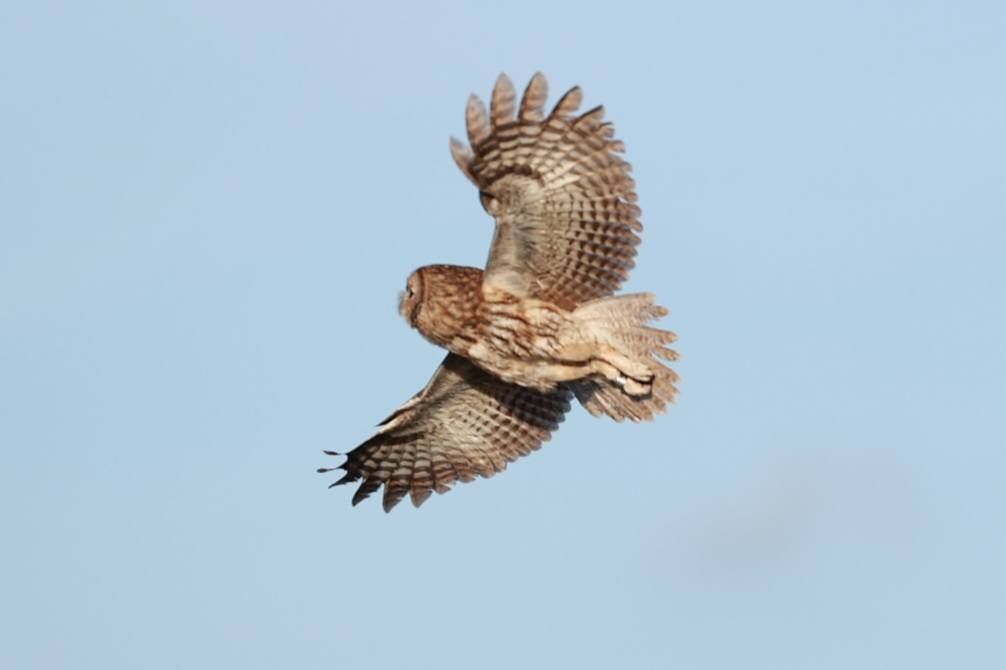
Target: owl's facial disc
{"points": [[410, 300]]}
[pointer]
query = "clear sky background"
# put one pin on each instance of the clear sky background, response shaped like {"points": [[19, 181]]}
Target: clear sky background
{"points": [[207, 212]]}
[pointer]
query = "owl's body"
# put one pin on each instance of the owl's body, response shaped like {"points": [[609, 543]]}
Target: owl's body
{"points": [[533, 342], [540, 325]]}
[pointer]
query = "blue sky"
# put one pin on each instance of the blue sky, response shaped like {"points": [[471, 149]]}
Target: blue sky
{"points": [[207, 212]]}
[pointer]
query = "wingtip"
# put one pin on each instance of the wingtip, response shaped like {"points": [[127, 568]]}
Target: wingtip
{"points": [[567, 104], [532, 103], [463, 157], [476, 120], [503, 80], [418, 497], [592, 118], [501, 105]]}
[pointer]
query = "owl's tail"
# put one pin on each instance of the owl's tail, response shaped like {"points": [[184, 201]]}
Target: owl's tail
{"points": [[620, 323]]}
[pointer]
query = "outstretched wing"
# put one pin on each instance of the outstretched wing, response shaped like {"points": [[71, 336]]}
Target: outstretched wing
{"points": [[466, 422], [561, 194]]}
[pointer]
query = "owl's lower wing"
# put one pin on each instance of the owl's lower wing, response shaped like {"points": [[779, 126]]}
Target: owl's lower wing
{"points": [[464, 423], [561, 194]]}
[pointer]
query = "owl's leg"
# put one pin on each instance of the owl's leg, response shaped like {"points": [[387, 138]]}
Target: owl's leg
{"points": [[634, 377], [582, 360]]}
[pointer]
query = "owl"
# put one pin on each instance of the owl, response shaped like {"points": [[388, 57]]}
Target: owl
{"points": [[540, 325]]}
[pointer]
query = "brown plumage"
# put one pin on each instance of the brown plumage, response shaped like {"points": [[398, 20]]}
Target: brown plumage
{"points": [[540, 324]]}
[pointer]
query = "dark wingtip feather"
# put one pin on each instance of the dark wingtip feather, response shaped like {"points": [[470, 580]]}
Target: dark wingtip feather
{"points": [[392, 496], [366, 488]]}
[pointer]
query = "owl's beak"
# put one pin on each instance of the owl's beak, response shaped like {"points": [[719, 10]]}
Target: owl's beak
{"points": [[401, 304]]}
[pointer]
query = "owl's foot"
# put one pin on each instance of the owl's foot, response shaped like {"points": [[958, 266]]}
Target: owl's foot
{"points": [[635, 386]]}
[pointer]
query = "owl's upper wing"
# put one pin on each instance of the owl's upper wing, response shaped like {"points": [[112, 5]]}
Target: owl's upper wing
{"points": [[560, 192], [466, 422]]}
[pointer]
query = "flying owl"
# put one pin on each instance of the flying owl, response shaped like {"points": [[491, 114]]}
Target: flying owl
{"points": [[540, 325]]}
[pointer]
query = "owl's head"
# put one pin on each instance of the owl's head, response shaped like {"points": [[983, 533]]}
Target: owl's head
{"points": [[439, 300]]}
